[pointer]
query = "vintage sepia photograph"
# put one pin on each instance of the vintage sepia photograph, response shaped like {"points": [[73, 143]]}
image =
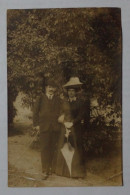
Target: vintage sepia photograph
{"points": [[64, 69]]}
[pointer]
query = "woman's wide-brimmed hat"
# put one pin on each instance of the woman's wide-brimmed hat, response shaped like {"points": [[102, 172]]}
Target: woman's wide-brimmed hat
{"points": [[73, 82]]}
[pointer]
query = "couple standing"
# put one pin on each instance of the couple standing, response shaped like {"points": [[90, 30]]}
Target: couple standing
{"points": [[61, 131]]}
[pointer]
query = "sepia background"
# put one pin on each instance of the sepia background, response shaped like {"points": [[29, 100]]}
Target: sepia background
{"points": [[61, 43]]}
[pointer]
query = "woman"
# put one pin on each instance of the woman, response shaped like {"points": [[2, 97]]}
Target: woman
{"points": [[70, 153]]}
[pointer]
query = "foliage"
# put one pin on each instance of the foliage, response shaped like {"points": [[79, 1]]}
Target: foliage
{"points": [[60, 43], [12, 94], [103, 132]]}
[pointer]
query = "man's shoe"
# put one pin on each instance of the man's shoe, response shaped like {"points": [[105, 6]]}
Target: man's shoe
{"points": [[45, 176], [50, 171]]}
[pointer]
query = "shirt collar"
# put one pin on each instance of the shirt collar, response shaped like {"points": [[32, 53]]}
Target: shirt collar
{"points": [[49, 96]]}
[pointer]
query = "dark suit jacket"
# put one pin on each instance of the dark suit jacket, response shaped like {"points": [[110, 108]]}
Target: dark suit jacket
{"points": [[46, 113]]}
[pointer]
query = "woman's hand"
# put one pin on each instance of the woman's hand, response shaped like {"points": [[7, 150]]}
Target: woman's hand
{"points": [[68, 125]]}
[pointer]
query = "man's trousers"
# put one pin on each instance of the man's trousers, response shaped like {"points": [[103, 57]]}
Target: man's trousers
{"points": [[48, 143]]}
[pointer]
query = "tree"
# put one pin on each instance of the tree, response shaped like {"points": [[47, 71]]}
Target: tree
{"points": [[63, 43]]}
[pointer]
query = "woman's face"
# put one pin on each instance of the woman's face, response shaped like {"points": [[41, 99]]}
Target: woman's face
{"points": [[71, 93]]}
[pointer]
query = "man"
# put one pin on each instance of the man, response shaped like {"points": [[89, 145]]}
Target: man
{"points": [[45, 120]]}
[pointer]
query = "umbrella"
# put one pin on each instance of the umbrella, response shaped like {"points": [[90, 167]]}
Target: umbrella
{"points": [[68, 152]]}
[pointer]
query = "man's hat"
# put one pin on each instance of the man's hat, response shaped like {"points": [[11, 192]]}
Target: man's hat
{"points": [[73, 82], [51, 83]]}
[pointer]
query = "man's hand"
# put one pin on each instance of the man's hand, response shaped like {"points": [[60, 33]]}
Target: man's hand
{"points": [[61, 118], [36, 129]]}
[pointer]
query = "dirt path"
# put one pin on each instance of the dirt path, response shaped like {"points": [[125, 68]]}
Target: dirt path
{"points": [[25, 166]]}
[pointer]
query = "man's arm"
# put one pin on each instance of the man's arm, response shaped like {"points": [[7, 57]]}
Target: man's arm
{"points": [[36, 112]]}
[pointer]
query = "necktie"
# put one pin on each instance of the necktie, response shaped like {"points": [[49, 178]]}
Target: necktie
{"points": [[50, 97]]}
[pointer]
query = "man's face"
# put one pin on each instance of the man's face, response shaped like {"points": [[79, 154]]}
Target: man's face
{"points": [[71, 93], [50, 90]]}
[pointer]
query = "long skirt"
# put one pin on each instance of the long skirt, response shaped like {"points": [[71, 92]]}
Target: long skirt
{"points": [[69, 156]]}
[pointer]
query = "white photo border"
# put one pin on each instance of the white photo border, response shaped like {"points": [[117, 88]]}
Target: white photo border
{"points": [[29, 4]]}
